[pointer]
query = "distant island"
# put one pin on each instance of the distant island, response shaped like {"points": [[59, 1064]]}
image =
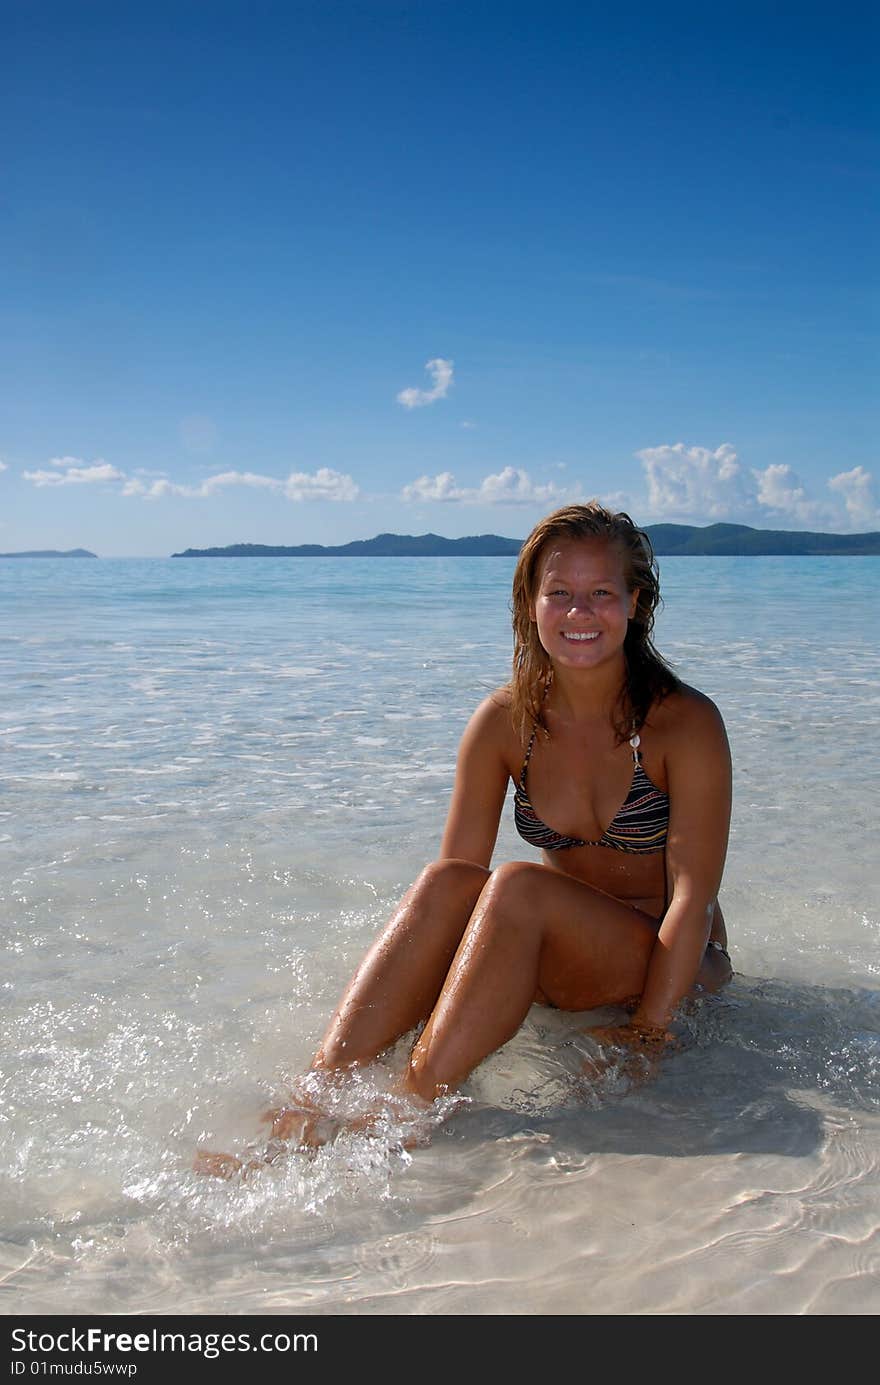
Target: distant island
{"points": [[51, 553], [669, 540], [382, 546]]}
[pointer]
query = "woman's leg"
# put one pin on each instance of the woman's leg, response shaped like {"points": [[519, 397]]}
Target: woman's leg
{"points": [[471, 951], [532, 929], [397, 984], [394, 988]]}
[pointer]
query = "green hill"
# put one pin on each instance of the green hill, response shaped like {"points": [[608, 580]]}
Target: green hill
{"points": [[669, 540], [51, 553]]}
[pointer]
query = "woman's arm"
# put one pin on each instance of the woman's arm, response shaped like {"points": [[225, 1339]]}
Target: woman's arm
{"points": [[481, 777], [699, 778]]}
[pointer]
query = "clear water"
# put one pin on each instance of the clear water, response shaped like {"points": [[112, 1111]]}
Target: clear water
{"points": [[217, 777]]}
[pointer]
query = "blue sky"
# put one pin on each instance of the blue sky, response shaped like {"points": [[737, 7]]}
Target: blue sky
{"points": [[283, 273]]}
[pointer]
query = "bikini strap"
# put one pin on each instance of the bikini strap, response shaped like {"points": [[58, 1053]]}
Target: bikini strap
{"points": [[522, 776]]}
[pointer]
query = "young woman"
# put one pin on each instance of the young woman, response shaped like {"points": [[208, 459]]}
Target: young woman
{"points": [[622, 778]]}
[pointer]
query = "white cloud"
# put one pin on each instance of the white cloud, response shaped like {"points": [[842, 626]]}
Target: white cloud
{"points": [[440, 487], [779, 488], [780, 491], [693, 480], [510, 486], [3, 466], [616, 501], [76, 473], [156, 489], [857, 489], [440, 372], [239, 478], [209, 486], [324, 484], [701, 485]]}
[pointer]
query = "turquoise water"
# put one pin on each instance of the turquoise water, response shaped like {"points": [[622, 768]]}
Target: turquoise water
{"points": [[217, 777]]}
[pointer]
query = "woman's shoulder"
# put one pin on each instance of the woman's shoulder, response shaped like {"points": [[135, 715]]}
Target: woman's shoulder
{"points": [[492, 724], [685, 715], [493, 713]]}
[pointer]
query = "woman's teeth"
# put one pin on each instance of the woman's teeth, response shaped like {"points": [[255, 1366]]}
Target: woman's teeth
{"points": [[573, 635]]}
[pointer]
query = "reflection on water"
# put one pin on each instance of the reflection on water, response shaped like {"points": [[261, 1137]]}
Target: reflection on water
{"points": [[216, 781], [769, 1112]]}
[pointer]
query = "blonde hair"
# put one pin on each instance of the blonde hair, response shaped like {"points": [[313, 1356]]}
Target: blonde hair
{"points": [[648, 677]]}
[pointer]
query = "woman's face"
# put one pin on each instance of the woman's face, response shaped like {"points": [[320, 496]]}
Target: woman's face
{"points": [[582, 605]]}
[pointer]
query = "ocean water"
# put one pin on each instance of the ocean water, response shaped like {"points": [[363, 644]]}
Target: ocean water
{"points": [[218, 776]]}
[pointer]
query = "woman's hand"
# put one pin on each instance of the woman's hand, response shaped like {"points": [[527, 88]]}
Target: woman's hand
{"points": [[641, 1046]]}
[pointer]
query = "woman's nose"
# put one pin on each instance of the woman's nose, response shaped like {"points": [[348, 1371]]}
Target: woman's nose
{"points": [[580, 603]]}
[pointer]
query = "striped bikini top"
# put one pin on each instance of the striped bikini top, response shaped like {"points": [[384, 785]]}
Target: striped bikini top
{"points": [[639, 825]]}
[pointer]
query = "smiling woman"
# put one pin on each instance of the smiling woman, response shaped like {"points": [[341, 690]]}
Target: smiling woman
{"points": [[582, 596], [633, 768]]}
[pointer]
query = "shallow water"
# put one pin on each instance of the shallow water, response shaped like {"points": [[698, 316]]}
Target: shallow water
{"points": [[217, 778]]}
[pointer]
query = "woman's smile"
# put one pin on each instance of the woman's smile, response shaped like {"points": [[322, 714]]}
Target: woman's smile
{"points": [[582, 604]]}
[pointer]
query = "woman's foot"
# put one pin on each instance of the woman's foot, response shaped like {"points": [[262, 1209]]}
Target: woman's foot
{"points": [[303, 1125], [300, 1126], [217, 1165]]}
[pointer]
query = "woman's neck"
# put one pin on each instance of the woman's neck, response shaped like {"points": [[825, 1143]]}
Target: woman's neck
{"points": [[588, 695]]}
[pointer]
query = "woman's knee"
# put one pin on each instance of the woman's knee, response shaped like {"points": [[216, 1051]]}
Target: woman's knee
{"points": [[439, 903], [452, 895], [451, 877], [513, 898], [517, 882]]}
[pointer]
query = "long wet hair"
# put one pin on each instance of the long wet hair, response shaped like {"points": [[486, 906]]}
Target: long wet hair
{"points": [[648, 677]]}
